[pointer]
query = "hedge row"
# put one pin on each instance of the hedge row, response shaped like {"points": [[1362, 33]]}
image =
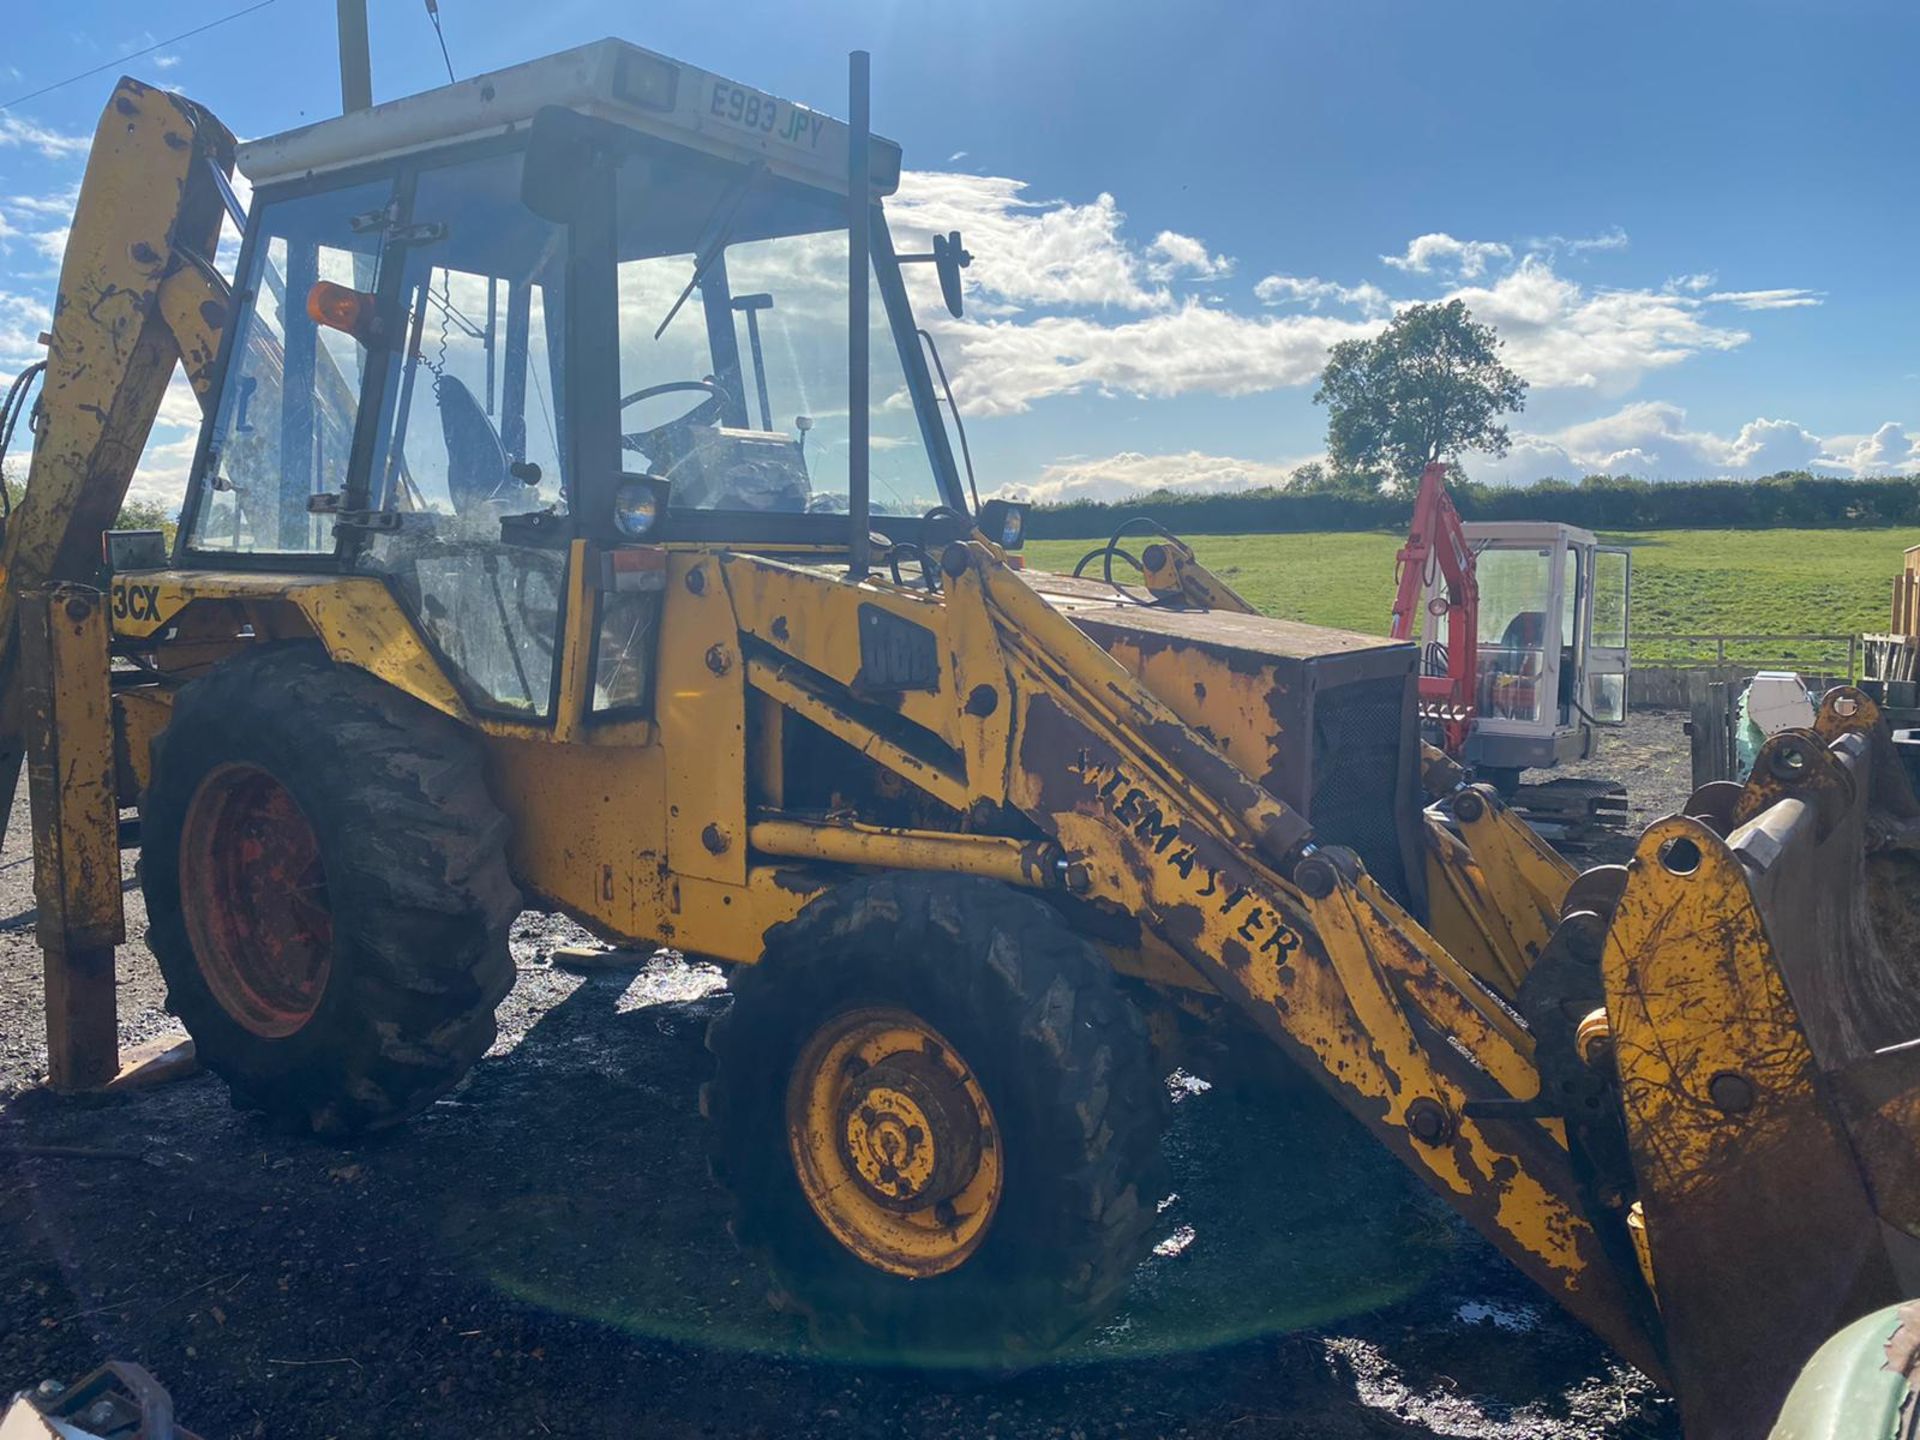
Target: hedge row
{"points": [[1599, 502]]}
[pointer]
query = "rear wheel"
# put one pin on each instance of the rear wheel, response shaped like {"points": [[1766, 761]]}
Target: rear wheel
{"points": [[327, 890], [939, 1120]]}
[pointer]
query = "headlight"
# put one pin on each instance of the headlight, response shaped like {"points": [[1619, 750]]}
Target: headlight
{"points": [[638, 506], [1004, 522]]}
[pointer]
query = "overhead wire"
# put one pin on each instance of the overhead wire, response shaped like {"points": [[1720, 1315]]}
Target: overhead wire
{"points": [[136, 54]]}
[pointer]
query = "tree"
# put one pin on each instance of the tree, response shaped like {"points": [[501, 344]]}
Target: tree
{"points": [[1318, 478], [1428, 387]]}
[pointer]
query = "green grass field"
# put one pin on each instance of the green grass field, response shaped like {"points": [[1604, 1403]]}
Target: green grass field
{"points": [[1693, 582]]}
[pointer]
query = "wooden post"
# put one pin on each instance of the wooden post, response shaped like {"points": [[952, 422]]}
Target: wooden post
{"points": [[76, 814]]}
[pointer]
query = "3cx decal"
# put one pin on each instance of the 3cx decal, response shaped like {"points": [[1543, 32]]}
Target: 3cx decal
{"points": [[136, 602]]}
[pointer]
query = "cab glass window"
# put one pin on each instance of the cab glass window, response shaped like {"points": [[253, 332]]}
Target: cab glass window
{"points": [[283, 431], [470, 441], [739, 395], [1513, 631]]}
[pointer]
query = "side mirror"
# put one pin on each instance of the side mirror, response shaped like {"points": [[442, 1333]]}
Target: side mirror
{"points": [[1004, 522], [566, 152], [948, 259]]}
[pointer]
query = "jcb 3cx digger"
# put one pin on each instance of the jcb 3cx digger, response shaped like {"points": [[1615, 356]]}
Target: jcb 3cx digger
{"points": [[574, 524]]}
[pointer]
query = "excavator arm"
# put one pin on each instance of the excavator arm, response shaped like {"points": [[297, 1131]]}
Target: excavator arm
{"points": [[1437, 550], [138, 294]]}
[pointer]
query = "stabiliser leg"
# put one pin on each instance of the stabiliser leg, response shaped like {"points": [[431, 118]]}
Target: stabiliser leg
{"points": [[76, 850]]}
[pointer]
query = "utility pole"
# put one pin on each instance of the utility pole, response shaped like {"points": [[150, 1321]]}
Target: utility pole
{"points": [[356, 65]]}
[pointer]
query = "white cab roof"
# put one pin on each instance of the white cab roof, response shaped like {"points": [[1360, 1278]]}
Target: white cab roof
{"points": [[1525, 532], [609, 79]]}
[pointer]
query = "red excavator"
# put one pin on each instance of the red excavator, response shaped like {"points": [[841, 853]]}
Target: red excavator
{"points": [[1523, 651]]}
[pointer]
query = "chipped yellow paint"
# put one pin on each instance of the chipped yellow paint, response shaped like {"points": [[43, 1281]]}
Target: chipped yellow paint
{"points": [[1693, 990], [355, 618]]}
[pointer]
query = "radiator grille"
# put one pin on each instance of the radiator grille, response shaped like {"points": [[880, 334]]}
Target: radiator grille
{"points": [[1359, 773]]}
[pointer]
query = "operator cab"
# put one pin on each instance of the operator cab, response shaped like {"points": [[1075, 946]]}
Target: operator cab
{"points": [[1553, 659], [602, 297]]}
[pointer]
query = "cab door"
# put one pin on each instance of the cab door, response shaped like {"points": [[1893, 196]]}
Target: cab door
{"points": [[1609, 665]]}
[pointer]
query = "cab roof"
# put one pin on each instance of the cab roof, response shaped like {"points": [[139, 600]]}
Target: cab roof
{"points": [[609, 79]]}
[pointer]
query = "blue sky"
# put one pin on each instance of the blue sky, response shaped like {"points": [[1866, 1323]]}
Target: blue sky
{"points": [[1692, 224]]}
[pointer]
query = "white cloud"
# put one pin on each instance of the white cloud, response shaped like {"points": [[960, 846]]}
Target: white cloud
{"points": [[1465, 258], [1559, 334], [165, 62], [1890, 450], [1313, 292], [1653, 440], [1694, 284], [1614, 238], [1115, 477], [1767, 299], [161, 476], [1001, 366], [22, 319], [24, 134], [52, 243], [1173, 255], [1028, 252]]}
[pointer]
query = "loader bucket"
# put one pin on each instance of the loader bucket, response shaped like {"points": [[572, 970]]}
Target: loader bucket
{"points": [[1762, 987]]}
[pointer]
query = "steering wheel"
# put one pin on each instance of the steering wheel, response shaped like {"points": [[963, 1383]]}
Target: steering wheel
{"points": [[654, 441]]}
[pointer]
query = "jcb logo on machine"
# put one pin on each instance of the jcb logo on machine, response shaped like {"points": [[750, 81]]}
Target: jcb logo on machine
{"points": [[135, 602]]}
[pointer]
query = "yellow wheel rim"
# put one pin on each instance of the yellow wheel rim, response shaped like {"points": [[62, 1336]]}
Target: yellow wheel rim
{"points": [[894, 1142]]}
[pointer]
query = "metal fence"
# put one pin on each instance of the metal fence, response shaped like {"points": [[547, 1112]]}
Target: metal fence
{"points": [[1825, 654], [1672, 671]]}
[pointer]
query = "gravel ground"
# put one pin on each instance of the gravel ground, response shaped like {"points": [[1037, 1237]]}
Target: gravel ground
{"points": [[1650, 754], [542, 1253]]}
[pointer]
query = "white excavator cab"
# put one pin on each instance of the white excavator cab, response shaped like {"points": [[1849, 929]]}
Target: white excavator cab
{"points": [[1553, 657]]}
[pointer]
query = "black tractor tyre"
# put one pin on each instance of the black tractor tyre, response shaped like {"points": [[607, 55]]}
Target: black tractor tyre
{"points": [[1064, 1060], [402, 896]]}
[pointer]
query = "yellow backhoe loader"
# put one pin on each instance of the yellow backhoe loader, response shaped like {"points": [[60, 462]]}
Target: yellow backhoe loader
{"points": [[574, 524]]}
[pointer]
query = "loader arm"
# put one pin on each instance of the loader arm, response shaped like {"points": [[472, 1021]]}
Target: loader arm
{"points": [[1699, 1204], [1296, 935], [138, 294]]}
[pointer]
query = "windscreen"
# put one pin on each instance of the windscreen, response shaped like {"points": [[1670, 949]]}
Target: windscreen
{"points": [[734, 384]]}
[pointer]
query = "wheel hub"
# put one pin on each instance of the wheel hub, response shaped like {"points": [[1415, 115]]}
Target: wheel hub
{"points": [[893, 1141], [255, 894], [908, 1131]]}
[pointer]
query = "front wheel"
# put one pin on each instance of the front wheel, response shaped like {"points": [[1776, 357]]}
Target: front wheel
{"points": [[939, 1120], [327, 890]]}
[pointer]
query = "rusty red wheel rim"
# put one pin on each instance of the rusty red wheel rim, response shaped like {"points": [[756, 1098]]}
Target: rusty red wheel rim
{"points": [[255, 894]]}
